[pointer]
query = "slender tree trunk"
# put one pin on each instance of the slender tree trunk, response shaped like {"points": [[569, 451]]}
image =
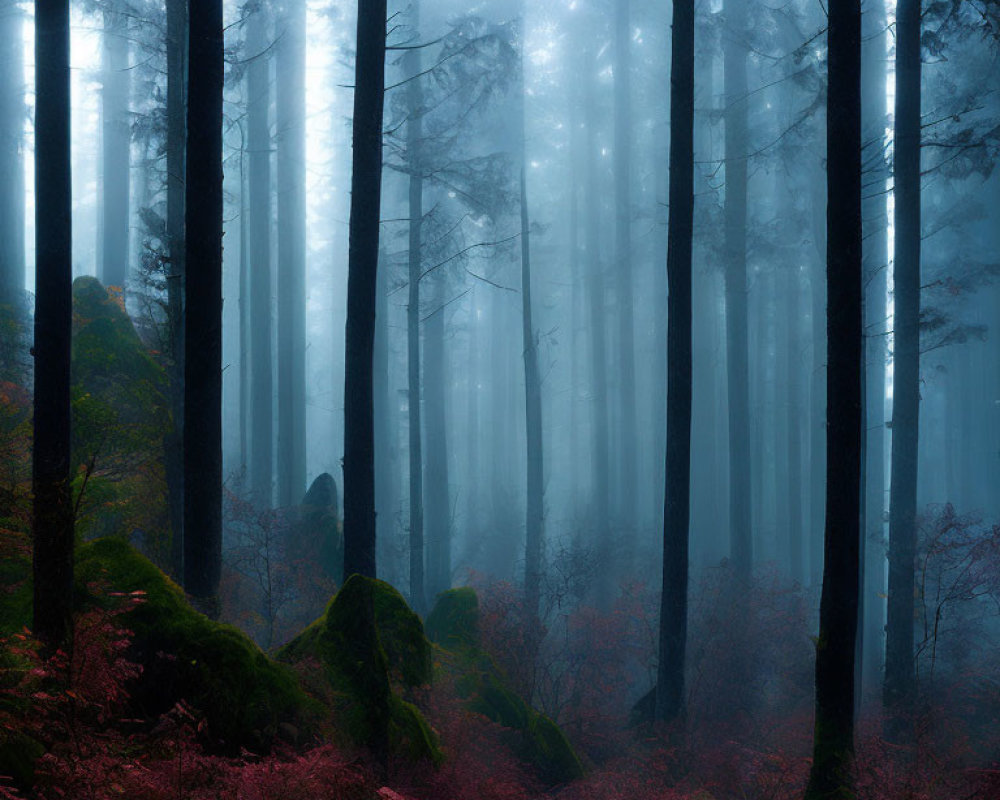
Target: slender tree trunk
{"points": [[677, 511], [115, 148], [830, 775], [291, 179], [366, 192], [899, 689], [52, 521], [437, 503], [176, 160], [203, 309], [738, 380], [12, 116], [535, 522], [596, 291], [385, 435], [817, 388], [244, 319], [414, 141], [793, 346], [628, 445], [259, 146], [876, 269]]}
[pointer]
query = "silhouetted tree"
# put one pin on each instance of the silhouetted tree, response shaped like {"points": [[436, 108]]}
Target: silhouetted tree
{"points": [[366, 193], [899, 688], [834, 727], [203, 307], [12, 113], [676, 514], [116, 138], [53, 513]]}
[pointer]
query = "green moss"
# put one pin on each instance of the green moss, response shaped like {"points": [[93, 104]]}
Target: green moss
{"points": [[454, 626], [215, 668], [366, 635], [454, 621], [551, 752]]}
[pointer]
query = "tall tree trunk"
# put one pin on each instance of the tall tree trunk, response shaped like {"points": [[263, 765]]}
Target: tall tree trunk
{"points": [[534, 522], [52, 521], [12, 116], [817, 385], [176, 45], [876, 257], [366, 193], [385, 435], [899, 689], [793, 345], [628, 444], [677, 502], [830, 775], [737, 378], [534, 508], [414, 142], [259, 239], [244, 316], [437, 503], [605, 547], [291, 178], [203, 309], [115, 148]]}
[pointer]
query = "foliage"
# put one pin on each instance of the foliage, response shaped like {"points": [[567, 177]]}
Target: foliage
{"points": [[244, 696], [120, 420]]}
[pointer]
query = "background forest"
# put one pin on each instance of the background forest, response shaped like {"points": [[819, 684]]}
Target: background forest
{"points": [[590, 398]]}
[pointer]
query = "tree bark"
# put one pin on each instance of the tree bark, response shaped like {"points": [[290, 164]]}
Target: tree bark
{"points": [[52, 522], [366, 192], [437, 504], [834, 723], [203, 308], [414, 141], [291, 172], [176, 45], [737, 378], [876, 259], [12, 116], [677, 501], [899, 688], [259, 240], [628, 444], [116, 141]]}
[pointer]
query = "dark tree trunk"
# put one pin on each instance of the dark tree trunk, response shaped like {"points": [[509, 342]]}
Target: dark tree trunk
{"points": [[899, 686], [834, 726], [259, 240], [115, 148], [203, 309], [677, 502], [366, 193], [876, 258], [534, 522], [12, 115], [53, 514], [176, 157], [628, 444], [291, 171], [414, 141], [738, 381]]}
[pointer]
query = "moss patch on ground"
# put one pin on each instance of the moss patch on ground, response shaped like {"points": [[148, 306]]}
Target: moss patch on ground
{"points": [[372, 649], [453, 624], [217, 669]]}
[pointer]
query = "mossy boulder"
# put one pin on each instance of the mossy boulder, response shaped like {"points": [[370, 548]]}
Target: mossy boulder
{"points": [[454, 626], [454, 621], [367, 643], [215, 668]]}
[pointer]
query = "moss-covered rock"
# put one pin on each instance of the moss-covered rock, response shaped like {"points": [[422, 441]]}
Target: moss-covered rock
{"points": [[454, 621], [454, 625], [18, 756], [215, 668], [367, 641]]}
